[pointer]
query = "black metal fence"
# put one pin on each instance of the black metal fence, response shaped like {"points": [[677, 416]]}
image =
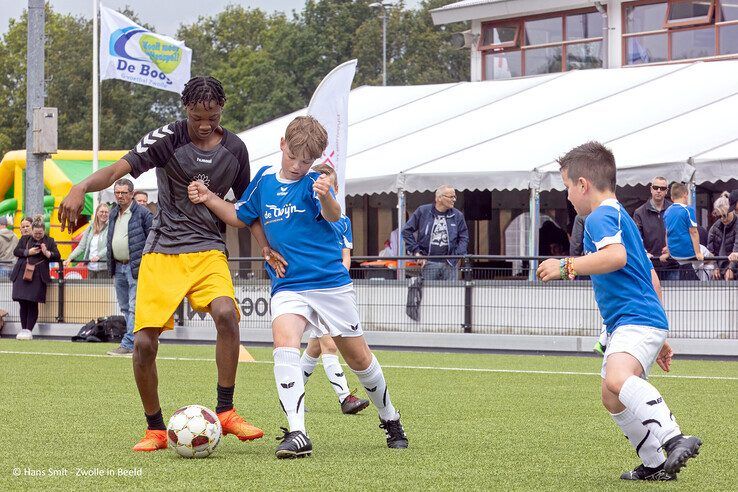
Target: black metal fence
{"points": [[485, 294]]}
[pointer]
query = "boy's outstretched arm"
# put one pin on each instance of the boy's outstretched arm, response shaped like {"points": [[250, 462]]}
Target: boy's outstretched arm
{"points": [[199, 193], [609, 259], [330, 209]]}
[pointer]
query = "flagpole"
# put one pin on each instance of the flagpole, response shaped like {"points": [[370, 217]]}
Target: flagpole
{"points": [[95, 96]]}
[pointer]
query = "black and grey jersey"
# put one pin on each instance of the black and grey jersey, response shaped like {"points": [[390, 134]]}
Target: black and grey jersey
{"points": [[181, 226]]}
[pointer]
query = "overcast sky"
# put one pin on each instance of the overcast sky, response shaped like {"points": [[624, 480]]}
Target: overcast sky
{"points": [[164, 15]]}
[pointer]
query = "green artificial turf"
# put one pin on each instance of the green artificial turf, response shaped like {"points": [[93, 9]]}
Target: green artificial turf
{"points": [[64, 415]]}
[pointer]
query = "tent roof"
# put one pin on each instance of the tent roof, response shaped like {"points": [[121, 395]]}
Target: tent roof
{"points": [[506, 134]]}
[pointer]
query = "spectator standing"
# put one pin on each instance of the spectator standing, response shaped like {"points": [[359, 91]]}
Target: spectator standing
{"points": [[30, 274], [721, 238], [437, 229], [94, 245], [141, 197], [8, 242], [649, 219], [576, 243], [128, 228], [682, 237]]}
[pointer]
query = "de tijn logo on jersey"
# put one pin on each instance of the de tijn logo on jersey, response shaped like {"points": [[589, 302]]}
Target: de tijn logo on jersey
{"points": [[276, 214], [142, 53]]}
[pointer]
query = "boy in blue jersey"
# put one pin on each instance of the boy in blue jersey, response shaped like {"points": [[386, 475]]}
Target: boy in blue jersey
{"points": [[627, 292], [682, 237], [296, 209], [323, 345]]}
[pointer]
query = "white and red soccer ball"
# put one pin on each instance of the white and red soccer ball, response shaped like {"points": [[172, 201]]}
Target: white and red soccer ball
{"points": [[194, 431]]}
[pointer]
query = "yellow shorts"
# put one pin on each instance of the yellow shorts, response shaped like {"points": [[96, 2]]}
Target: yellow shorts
{"points": [[164, 281]]}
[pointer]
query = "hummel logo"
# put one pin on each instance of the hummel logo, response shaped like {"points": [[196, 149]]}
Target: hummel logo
{"points": [[655, 402], [355, 327], [339, 374], [287, 385], [371, 390], [204, 161]]}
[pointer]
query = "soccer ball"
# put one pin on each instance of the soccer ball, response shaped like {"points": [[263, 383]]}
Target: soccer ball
{"points": [[194, 431]]}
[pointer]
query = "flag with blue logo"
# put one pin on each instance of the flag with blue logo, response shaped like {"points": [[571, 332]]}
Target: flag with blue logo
{"points": [[133, 53]]}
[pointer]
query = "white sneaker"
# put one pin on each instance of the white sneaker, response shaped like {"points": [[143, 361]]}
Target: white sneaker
{"points": [[24, 335]]}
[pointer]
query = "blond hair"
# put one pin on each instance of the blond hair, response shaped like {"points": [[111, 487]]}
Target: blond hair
{"points": [[678, 191], [98, 225], [722, 204], [305, 136]]}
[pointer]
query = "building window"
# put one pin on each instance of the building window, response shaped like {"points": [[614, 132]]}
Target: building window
{"points": [[542, 44], [688, 12], [659, 31]]}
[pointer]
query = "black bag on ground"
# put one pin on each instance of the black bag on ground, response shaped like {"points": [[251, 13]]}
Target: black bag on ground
{"points": [[107, 329]]}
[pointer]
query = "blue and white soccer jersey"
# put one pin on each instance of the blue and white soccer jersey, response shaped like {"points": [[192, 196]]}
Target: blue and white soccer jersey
{"points": [[630, 308], [316, 284], [678, 218]]}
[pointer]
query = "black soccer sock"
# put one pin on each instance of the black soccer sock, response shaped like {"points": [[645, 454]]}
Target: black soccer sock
{"points": [[156, 421], [225, 399]]}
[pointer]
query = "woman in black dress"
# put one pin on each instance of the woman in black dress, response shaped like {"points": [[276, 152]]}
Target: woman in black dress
{"points": [[31, 274]]}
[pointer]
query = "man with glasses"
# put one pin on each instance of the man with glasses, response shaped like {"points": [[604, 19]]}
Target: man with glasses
{"points": [[437, 229], [649, 218], [128, 228]]}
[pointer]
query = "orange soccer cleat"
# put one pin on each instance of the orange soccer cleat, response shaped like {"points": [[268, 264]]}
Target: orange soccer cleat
{"points": [[152, 441], [233, 423]]}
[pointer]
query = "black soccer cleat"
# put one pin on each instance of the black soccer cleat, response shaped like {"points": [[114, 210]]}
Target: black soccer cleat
{"points": [[294, 444], [679, 450], [396, 437], [352, 405], [644, 473]]}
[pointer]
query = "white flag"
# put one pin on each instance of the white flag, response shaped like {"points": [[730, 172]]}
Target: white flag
{"points": [[329, 105], [133, 53]]}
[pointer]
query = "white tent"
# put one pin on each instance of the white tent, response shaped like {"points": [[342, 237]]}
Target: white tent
{"points": [[506, 134]]}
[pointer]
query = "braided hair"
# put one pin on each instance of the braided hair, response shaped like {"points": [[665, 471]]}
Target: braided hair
{"points": [[204, 90]]}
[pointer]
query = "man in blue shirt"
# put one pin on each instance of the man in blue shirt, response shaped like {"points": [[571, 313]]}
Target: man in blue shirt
{"points": [[627, 292], [296, 209], [682, 236]]}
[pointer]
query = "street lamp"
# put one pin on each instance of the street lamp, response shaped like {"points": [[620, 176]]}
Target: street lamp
{"points": [[383, 5]]}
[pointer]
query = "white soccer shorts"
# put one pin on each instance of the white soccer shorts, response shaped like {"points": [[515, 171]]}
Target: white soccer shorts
{"points": [[328, 311], [642, 342]]}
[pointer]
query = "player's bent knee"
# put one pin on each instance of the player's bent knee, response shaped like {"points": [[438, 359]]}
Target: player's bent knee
{"points": [[225, 318], [145, 346]]}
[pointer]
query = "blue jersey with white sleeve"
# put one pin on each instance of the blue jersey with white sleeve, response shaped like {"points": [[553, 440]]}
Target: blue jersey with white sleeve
{"points": [[290, 215], [343, 232], [625, 296], [678, 218]]}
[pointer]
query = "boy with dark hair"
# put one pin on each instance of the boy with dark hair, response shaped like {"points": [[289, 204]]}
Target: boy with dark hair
{"points": [[296, 207], [184, 255], [627, 292]]}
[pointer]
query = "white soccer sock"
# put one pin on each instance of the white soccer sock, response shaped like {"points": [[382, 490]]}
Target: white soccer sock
{"points": [[307, 365], [646, 445], [290, 387], [648, 406], [335, 374], [376, 387]]}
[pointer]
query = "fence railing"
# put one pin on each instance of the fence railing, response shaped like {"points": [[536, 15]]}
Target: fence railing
{"points": [[484, 294]]}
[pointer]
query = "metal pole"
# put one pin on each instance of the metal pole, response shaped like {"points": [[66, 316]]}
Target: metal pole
{"points": [[605, 35], [95, 97], [384, 45], [401, 207], [34, 177], [534, 211]]}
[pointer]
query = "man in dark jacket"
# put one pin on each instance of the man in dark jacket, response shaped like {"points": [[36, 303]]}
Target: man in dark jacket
{"points": [[435, 230], [129, 226], [649, 218]]}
